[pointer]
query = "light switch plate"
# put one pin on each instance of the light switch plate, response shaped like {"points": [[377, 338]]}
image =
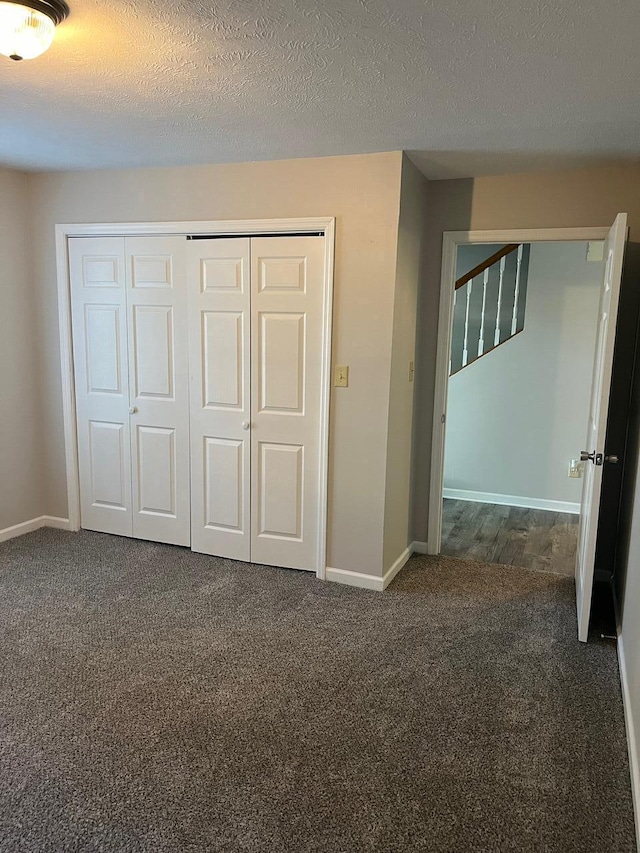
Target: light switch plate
{"points": [[341, 377]]}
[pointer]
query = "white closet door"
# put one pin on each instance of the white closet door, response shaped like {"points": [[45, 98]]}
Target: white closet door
{"points": [[159, 387], [219, 298], [287, 287], [98, 308]]}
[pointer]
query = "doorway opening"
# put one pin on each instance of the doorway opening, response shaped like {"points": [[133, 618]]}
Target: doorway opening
{"points": [[522, 348], [509, 325]]}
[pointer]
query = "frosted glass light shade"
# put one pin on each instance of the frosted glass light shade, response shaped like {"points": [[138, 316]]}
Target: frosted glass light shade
{"points": [[24, 33]]}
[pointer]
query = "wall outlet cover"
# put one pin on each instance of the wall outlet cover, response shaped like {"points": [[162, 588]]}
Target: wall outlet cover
{"points": [[595, 250], [575, 468]]}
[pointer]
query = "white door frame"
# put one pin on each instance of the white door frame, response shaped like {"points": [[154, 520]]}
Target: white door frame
{"points": [[450, 242], [240, 227]]}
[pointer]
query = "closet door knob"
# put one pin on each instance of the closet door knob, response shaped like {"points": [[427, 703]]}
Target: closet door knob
{"points": [[245, 424], [133, 410]]}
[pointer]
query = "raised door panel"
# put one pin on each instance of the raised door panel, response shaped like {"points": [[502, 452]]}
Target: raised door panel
{"points": [[222, 337], [108, 465], [100, 352], [158, 378], [156, 454], [282, 362], [153, 351], [281, 495], [224, 274], [287, 300], [155, 270], [224, 485], [282, 274], [102, 270], [104, 367], [219, 323]]}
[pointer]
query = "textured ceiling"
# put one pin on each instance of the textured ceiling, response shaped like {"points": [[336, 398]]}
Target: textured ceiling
{"points": [[468, 86]]}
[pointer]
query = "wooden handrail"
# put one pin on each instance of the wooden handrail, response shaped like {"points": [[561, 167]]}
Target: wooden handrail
{"points": [[505, 250]]}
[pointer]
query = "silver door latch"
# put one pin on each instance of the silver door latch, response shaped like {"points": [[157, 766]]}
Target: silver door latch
{"points": [[596, 458]]}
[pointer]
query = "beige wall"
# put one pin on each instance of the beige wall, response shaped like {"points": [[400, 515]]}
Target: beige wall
{"points": [[410, 260], [362, 192], [20, 421]]}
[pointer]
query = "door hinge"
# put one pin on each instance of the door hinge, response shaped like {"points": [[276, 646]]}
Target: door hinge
{"points": [[443, 419]]}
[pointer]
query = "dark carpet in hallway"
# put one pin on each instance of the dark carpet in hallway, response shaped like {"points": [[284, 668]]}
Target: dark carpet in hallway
{"points": [[156, 700]]}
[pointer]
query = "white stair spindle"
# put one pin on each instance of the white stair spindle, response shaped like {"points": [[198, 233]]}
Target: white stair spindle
{"points": [[453, 314], [496, 337], [465, 352], [485, 282], [516, 294]]}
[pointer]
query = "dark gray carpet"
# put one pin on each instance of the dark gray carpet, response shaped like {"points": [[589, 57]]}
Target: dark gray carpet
{"points": [[152, 699]]}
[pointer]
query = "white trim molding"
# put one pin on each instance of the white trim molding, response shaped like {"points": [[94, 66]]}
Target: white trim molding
{"points": [[235, 227], [393, 570], [450, 242], [34, 524], [374, 582], [357, 579], [420, 547], [632, 743], [511, 500]]}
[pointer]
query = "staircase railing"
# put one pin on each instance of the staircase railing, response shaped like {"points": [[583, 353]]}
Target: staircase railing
{"points": [[489, 305]]}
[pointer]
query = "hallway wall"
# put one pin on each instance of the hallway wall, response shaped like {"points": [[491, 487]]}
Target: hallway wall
{"points": [[516, 416]]}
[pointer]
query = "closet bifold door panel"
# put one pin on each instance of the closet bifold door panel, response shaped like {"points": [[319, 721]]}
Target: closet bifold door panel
{"points": [[128, 300], [287, 297], [198, 369], [158, 388], [219, 358], [255, 337], [99, 324]]}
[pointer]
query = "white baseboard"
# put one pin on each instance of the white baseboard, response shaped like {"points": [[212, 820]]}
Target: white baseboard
{"points": [[355, 579], [512, 500], [390, 574], [20, 529], [34, 524], [632, 744], [419, 547], [57, 523], [373, 581]]}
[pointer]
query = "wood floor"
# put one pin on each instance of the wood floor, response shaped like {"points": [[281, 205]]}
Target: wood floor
{"points": [[532, 538]]}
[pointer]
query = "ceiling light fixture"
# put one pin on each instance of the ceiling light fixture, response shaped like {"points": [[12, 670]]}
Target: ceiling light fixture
{"points": [[27, 27]]}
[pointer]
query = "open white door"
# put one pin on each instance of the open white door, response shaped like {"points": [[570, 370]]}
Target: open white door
{"points": [[594, 455]]}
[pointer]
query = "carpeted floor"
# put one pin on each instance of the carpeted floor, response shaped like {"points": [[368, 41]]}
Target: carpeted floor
{"points": [[156, 700]]}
